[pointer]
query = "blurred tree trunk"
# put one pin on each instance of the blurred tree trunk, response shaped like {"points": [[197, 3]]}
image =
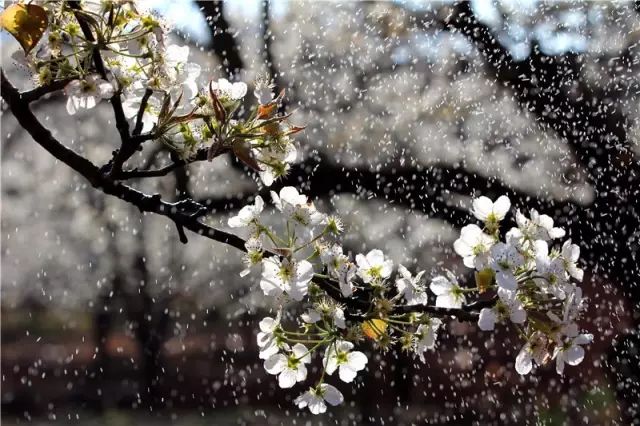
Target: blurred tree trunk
{"points": [[222, 41]]}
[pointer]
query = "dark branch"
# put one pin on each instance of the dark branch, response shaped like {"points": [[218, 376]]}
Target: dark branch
{"points": [[143, 106], [183, 213], [424, 189], [39, 92], [222, 41], [201, 155]]}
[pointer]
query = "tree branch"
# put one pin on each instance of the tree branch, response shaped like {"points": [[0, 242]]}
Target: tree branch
{"points": [[424, 189], [222, 41], [37, 93], [184, 213]]}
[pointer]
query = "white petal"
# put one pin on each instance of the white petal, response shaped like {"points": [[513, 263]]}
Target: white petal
{"points": [[275, 363], [303, 399], [304, 272], [301, 352], [462, 248], [105, 89], [268, 324], [346, 289], [276, 200], [259, 203], [404, 272], [357, 360], [375, 257], [291, 196], [448, 301], [574, 355], [344, 346], [338, 318], [523, 361], [541, 249], [559, 364], [469, 261], [238, 90], [331, 394], [71, 105], [287, 379], [330, 363], [557, 233], [506, 280], [387, 268], [346, 373], [317, 405], [518, 315], [301, 373], [487, 319], [471, 234], [482, 207], [311, 316], [271, 287], [501, 207], [440, 285], [583, 339], [268, 351], [362, 262]]}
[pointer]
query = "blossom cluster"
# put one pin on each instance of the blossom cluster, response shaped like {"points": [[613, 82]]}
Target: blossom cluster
{"points": [[345, 301], [157, 84], [536, 283]]}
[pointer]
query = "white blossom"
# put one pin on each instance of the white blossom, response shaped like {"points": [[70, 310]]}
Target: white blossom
{"points": [[373, 266], [571, 351], [339, 356], [505, 259], [248, 214], [450, 294], [551, 271], [297, 207], [274, 162], [286, 276], [335, 314], [535, 349], [338, 266], [85, 94], [570, 256], [507, 306], [289, 368], [426, 335], [491, 212], [225, 90], [412, 288], [539, 227], [315, 398], [267, 339], [253, 257], [473, 245], [263, 91], [567, 326]]}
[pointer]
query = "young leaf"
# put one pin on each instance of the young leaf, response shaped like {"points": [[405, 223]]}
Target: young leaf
{"points": [[26, 23], [242, 150]]}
